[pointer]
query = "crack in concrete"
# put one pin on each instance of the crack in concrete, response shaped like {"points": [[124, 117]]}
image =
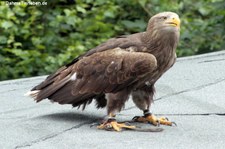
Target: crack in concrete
{"points": [[194, 114], [213, 60], [177, 114], [53, 135], [191, 89], [181, 114]]}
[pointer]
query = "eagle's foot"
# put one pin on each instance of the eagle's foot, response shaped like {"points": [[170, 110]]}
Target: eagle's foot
{"points": [[112, 124], [150, 118]]}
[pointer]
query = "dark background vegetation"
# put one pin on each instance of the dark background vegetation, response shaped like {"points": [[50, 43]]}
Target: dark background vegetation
{"points": [[35, 40]]}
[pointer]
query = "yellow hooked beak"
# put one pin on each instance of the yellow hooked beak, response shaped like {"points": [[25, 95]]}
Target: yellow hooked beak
{"points": [[174, 22]]}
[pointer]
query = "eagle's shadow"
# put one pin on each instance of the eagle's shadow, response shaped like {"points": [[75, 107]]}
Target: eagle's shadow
{"points": [[71, 117]]}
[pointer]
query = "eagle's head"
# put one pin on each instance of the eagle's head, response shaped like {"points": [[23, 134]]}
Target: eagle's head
{"points": [[164, 22], [164, 27]]}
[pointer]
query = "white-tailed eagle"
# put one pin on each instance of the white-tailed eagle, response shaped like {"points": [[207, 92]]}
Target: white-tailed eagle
{"points": [[122, 66]]}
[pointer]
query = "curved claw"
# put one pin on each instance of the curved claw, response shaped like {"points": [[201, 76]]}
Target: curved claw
{"points": [[173, 123], [163, 119], [135, 118], [94, 124], [157, 123]]}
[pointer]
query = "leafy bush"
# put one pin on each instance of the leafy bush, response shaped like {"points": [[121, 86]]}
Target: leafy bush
{"points": [[35, 40]]}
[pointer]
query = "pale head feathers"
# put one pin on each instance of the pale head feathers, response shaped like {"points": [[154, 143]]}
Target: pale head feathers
{"points": [[165, 21]]}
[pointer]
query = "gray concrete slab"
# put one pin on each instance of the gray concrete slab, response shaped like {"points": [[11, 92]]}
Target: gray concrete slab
{"points": [[191, 94]]}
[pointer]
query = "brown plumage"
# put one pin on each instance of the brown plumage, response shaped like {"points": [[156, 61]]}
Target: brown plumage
{"points": [[122, 66]]}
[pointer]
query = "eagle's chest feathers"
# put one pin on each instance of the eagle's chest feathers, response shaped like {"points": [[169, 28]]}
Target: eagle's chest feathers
{"points": [[165, 57]]}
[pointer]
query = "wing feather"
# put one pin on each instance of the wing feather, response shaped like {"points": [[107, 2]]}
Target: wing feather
{"points": [[118, 68], [102, 72]]}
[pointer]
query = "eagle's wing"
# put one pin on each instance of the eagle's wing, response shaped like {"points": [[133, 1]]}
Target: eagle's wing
{"points": [[111, 70], [108, 71]]}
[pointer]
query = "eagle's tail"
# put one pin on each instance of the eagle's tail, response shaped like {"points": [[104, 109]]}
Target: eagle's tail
{"points": [[51, 84], [32, 94]]}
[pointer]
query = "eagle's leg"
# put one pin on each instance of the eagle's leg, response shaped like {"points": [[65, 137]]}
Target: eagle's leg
{"points": [[112, 124], [143, 99], [115, 103], [150, 118]]}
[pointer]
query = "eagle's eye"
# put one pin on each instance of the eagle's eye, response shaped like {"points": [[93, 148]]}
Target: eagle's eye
{"points": [[163, 18]]}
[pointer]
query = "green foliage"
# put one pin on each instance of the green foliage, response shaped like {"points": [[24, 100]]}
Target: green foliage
{"points": [[35, 40]]}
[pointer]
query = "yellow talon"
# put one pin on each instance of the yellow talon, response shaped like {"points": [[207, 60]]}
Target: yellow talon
{"points": [[114, 125], [165, 121], [154, 120]]}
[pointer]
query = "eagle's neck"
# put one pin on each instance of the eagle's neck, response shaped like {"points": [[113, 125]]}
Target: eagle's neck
{"points": [[160, 43], [163, 47]]}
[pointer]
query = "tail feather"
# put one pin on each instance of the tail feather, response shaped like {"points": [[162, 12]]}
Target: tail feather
{"points": [[32, 94], [51, 84], [51, 79], [63, 87], [51, 89]]}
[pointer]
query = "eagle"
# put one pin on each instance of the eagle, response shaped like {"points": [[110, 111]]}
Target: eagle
{"points": [[124, 66]]}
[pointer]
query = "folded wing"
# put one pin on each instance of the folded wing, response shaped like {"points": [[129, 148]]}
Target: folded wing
{"points": [[102, 72]]}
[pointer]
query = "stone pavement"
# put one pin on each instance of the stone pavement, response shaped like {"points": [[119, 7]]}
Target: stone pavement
{"points": [[192, 94]]}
